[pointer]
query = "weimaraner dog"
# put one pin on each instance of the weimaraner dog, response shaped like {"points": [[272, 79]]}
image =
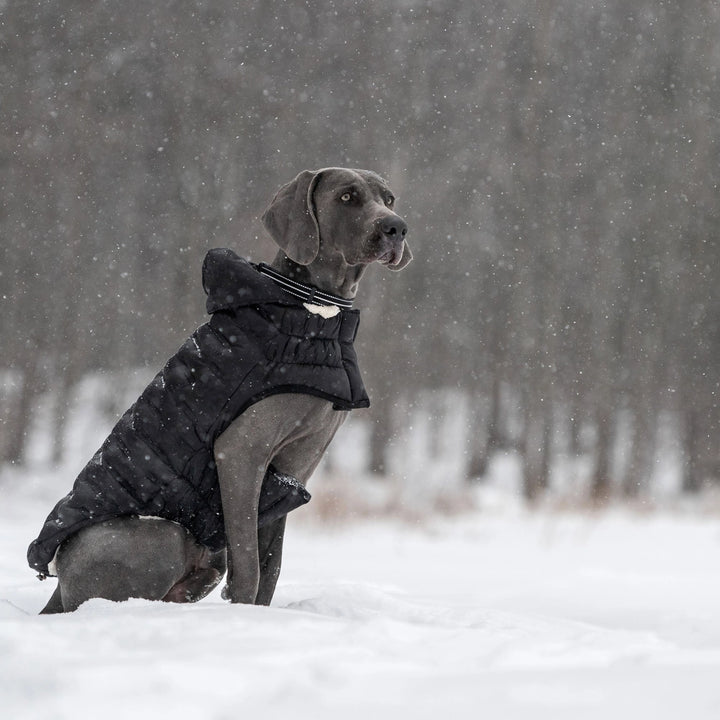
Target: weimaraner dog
{"points": [[330, 225]]}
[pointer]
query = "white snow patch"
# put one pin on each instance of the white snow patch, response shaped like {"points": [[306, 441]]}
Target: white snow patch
{"points": [[496, 614]]}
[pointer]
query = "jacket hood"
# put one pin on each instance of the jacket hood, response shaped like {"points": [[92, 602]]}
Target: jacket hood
{"points": [[232, 282]]}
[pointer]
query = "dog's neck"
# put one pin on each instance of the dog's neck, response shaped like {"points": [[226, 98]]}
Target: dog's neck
{"points": [[331, 275]]}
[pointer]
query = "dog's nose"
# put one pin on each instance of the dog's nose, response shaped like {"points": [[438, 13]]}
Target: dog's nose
{"points": [[394, 227]]}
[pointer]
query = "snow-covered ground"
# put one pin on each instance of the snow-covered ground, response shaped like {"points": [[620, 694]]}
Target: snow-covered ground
{"points": [[493, 614]]}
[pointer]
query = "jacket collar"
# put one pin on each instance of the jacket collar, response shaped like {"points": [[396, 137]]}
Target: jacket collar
{"points": [[306, 293], [232, 282]]}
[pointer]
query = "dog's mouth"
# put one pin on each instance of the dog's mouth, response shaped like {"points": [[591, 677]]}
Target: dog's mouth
{"points": [[391, 256]]}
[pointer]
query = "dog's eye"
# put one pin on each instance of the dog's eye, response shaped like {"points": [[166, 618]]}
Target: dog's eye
{"points": [[346, 197], [389, 200]]}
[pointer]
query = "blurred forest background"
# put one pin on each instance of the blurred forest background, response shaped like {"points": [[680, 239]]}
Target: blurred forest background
{"points": [[558, 164]]}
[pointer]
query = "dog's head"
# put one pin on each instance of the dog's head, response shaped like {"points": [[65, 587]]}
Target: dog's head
{"points": [[338, 211]]}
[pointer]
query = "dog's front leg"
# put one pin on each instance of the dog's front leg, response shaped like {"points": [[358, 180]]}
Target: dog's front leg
{"points": [[243, 559], [240, 474], [270, 543]]}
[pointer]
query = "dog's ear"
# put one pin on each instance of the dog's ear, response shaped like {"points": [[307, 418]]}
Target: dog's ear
{"points": [[407, 256], [290, 218]]}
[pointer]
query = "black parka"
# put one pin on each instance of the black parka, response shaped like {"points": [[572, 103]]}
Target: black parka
{"points": [[158, 460]]}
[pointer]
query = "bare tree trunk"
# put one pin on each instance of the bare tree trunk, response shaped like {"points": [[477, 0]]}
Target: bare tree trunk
{"points": [[575, 427], [546, 448], [639, 469], [64, 385], [380, 433], [692, 480], [601, 487], [494, 429], [484, 430], [21, 417], [536, 448]]}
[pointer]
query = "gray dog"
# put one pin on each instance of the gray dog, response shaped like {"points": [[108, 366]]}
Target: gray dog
{"points": [[198, 476]]}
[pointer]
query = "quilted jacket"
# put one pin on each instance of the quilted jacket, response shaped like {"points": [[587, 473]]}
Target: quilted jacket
{"points": [[158, 459]]}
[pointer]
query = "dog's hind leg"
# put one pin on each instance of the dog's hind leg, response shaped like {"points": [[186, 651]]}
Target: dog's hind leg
{"points": [[205, 570], [127, 557]]}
